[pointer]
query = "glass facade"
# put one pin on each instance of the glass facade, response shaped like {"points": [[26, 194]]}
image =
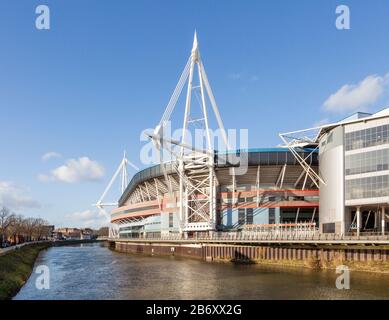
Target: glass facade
{"points": [[171, 221], [370, 187], [367, 162], [288, 215], [272, 216], [130, 232], [245, 216], [249, 216], [241, 216], [367, 138]]}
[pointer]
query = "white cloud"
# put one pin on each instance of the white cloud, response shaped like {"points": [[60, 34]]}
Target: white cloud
{"points": [[15, 197], [51, 154], [353, 97], [75, 170], [88, 219]]}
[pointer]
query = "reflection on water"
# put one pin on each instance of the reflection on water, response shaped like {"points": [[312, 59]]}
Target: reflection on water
{"points": [[92, 271]]}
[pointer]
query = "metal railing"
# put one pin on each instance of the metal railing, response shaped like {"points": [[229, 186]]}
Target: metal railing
{"points": [[263, 236]]}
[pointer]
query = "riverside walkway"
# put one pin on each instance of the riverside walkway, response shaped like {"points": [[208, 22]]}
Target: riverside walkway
{"points": [[3, 251], [285, 238]]}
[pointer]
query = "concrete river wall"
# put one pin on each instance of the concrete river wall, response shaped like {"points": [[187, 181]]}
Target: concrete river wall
{"points": [[369, 258]]}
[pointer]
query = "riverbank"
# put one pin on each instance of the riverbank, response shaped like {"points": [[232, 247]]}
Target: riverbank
{"points": [[16, 264], [16, 267]]}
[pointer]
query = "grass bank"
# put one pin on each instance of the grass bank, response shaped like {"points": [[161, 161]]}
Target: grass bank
{"points": [[15, 268]]}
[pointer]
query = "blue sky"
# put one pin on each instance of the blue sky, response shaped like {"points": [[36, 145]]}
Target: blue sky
{"points": [[105, 70]]}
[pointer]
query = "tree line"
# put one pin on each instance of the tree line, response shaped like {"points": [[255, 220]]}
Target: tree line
{"points": [[15, 228]]}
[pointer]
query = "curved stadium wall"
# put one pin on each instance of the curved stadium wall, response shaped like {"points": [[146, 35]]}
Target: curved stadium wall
{"points": [[274, 190]]}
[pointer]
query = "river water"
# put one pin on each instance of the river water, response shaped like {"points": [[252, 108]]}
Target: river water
{"points": [[92, 271]]}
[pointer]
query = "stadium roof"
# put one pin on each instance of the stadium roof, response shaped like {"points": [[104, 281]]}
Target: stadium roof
{"points": [[255, 157], [309, 138]]}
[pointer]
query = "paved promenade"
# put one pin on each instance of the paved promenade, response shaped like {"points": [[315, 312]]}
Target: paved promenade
{"points": [[5, 250]]}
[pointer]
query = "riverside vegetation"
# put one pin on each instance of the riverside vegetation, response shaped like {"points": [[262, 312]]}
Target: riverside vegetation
{"points": [[16, 267]]}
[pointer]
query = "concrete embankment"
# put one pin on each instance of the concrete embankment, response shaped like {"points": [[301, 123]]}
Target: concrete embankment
{"points": [[363, 258]]}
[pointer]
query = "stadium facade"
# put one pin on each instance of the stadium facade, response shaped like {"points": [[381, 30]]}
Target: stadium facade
{"points": [[274, 191]]}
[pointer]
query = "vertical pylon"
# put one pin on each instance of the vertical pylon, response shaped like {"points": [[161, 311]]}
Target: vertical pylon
{"points": [[101, 204], [124, 172], [197, 180]]}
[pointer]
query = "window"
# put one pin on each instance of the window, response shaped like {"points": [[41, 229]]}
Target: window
{"points": [[272, 216], [367, 162], [370, 187], [249, 216], [241, 216], [367, 138], [328, 227], [171, 221]]}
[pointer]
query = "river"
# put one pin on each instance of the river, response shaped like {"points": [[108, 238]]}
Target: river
{"points": [[92, 271]]}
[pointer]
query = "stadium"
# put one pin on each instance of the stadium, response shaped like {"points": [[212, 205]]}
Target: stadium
{"points": [[274, 191], [200, 191]]}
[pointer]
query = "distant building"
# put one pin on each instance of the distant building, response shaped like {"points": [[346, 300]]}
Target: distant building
{"points": [[56, 235], [85, 236], [76, 235], [66, 231], [48, 231], [73, 234]]}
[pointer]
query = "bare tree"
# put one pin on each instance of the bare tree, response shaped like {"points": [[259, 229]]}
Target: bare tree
{"points": [[30, 225], [41, 229], [17, 228], [22, 229], [6, 218]]}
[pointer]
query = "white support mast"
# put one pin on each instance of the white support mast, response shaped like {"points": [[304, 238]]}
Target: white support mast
{"points": [[195, 168], [101, 204], [296, 141]]}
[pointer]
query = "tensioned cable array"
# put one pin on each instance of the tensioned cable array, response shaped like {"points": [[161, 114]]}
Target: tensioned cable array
{"points": [[176, 94]]}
